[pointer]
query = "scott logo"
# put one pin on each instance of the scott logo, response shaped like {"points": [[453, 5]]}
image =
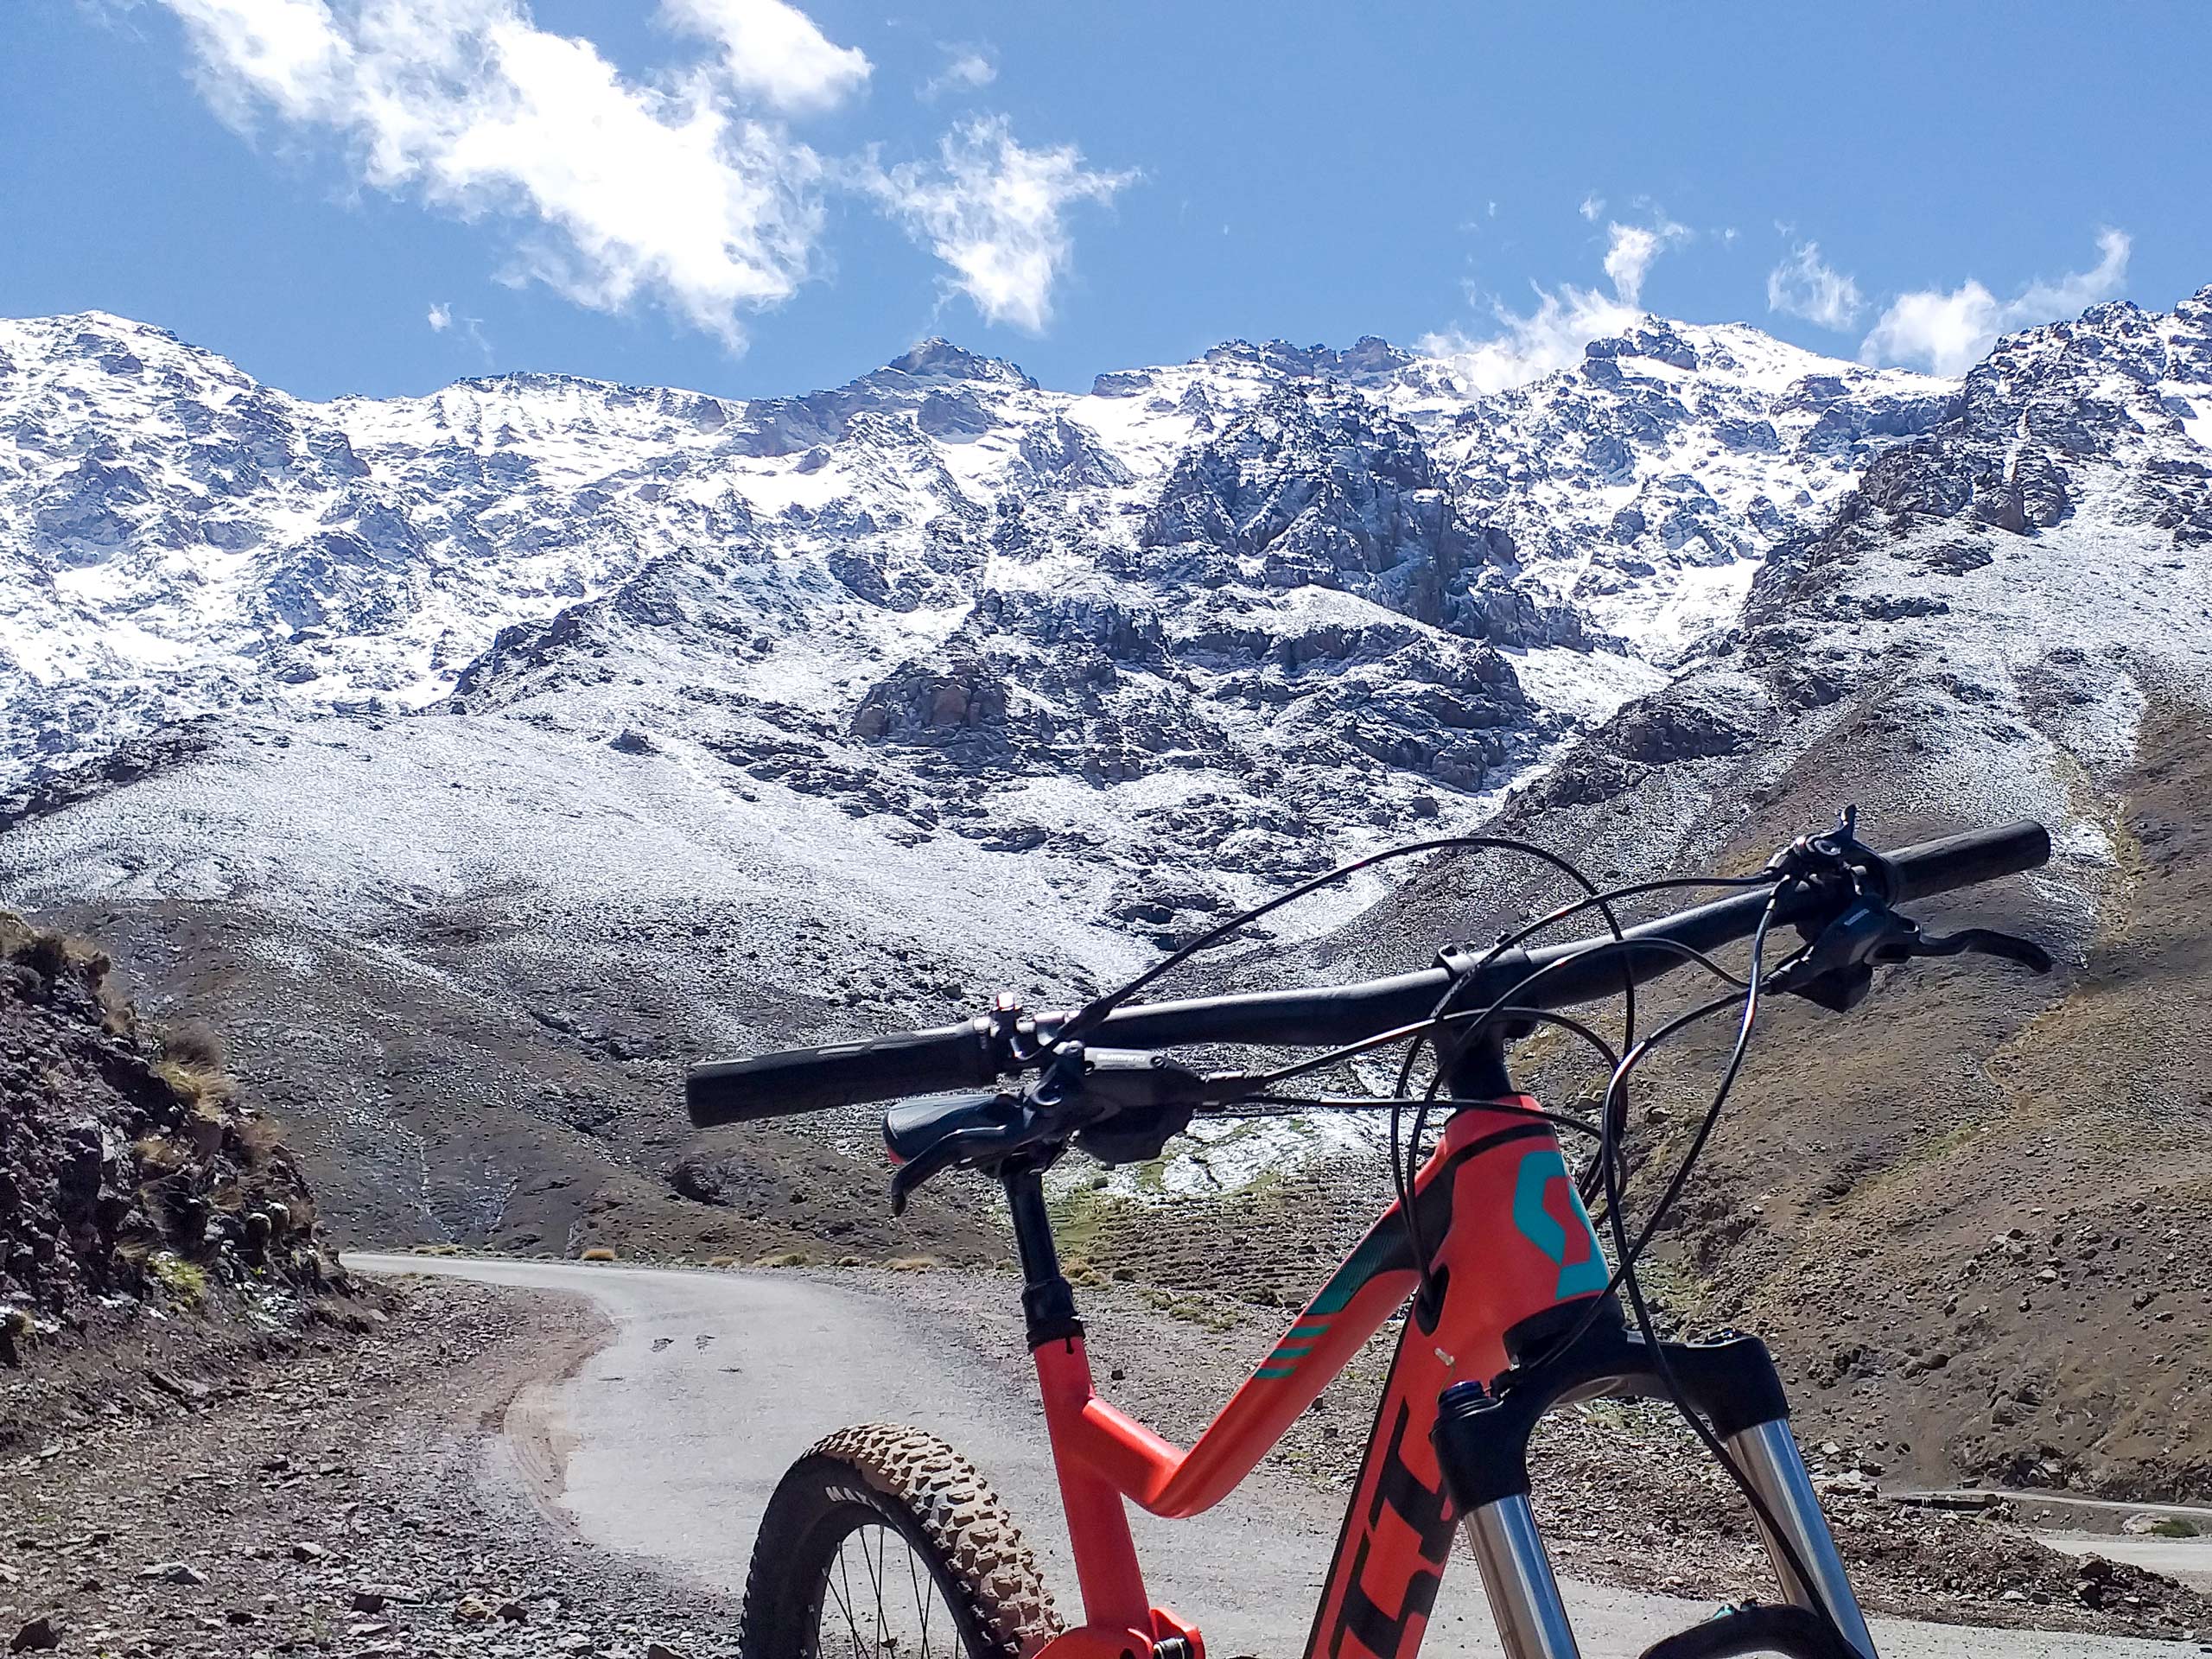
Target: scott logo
{"points": [[1369, 1622], [1549, 1213]]}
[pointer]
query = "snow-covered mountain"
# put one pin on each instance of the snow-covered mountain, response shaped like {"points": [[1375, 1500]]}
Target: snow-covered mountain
{"points": [[1265, 576], [636, 722]]}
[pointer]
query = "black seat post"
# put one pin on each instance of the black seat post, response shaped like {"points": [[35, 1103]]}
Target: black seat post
{"points": [[1047, 1300]]}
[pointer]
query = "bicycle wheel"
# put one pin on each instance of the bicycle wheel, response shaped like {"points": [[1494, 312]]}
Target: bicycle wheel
{"points": [[883, 1542]]}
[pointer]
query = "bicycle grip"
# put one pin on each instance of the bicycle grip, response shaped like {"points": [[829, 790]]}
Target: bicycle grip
{"points": [[840, 1074], [1961, 860]]}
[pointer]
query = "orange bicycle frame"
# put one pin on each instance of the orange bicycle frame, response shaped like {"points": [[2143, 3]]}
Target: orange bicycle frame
{"points": [[1509, 1243]]}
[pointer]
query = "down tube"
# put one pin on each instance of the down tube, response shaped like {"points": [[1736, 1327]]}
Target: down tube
{"points": [[1509, 1241]]}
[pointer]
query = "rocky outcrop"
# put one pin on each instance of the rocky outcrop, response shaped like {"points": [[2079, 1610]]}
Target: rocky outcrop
{"points": [[1317, 487], [128, 1167], [923, 704]]}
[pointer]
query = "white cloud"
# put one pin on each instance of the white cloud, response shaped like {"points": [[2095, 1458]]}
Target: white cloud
{"points": [[1592, 206], [774, 53], [1949, 332], [966, 69], [994, 211], [443, 319], [1803, 286], [666, 191], [1529, 346], [1632, 248], [287, 52]]}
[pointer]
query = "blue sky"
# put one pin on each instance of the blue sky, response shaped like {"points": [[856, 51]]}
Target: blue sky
{"points": [[380, 196]]}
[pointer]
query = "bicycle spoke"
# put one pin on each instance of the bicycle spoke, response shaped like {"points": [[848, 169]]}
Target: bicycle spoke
{"points": [[914, 1576], [878, 1623], [844, 1598], [883, 1642]]}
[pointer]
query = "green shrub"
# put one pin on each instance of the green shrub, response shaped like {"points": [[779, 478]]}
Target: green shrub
{"points": [[185, 1282]]}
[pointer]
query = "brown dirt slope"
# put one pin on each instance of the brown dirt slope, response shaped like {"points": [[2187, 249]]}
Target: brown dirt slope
{"points": [[1970, 1213], [432, 1102], [1984, 1201]]}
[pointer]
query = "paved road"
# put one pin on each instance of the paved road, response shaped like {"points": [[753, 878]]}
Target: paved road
{"points": [[666, 1444], [2188, 1560]]}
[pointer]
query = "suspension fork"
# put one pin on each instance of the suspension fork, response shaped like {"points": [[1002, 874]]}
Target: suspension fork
{"points": [[1482, 1443]]}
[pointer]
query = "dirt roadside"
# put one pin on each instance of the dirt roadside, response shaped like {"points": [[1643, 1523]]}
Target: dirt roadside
{"points": [[351, 1492], [342, 1495]]}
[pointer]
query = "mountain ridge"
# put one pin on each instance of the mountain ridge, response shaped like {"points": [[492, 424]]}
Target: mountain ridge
{"points": [[638, 723]]}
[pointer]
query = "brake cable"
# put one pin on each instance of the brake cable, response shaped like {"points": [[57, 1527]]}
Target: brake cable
{"points": [[1404, 1174], [1500, 1009], [1104, 1004], [1379, 1103], [1615, 1122], [1263, 1095], [1633, 1285]]}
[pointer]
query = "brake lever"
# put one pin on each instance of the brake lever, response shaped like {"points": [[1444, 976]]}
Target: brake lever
{"points": [[1986, 942], [1120, 1105], [1837, 969], [960, 1146]]}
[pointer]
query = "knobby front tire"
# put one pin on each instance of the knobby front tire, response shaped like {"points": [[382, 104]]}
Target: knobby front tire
{"points": [[883, 1539]]}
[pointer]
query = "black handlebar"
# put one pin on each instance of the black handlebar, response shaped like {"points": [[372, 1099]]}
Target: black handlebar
{"points": [[970, 1055], [1331, 1016], [807, 1079]]}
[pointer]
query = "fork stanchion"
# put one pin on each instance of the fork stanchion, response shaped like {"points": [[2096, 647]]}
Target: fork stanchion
{"points": [[1767, 1453], [1516, 1569]]}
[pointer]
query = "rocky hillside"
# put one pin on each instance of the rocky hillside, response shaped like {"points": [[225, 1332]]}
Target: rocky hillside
{"points": [[135, 1185], [1969, 1208]]}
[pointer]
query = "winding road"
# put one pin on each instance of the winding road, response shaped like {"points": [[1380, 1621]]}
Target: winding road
{"points": [[665, 1444]]}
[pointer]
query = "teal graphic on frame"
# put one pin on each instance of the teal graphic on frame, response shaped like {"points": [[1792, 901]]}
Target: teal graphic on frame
{"points": [[1547, 1231]]}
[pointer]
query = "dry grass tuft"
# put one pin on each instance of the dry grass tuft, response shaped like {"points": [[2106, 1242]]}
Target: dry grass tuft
{"points": [[191, 1043], [158, 1155], [258, 1141], [205, 1091]]}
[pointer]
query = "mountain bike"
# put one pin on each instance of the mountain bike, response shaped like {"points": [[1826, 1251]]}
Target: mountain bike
{"points": [[882, 1540]]}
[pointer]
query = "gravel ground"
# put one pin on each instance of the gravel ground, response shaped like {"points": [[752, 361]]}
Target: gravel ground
{"points": [[346, 1493], [342, 1497]]}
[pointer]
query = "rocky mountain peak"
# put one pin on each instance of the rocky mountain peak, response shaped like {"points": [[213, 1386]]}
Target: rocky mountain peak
{"points": [[937, 358], [1654, 339], [1369, 360]]}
